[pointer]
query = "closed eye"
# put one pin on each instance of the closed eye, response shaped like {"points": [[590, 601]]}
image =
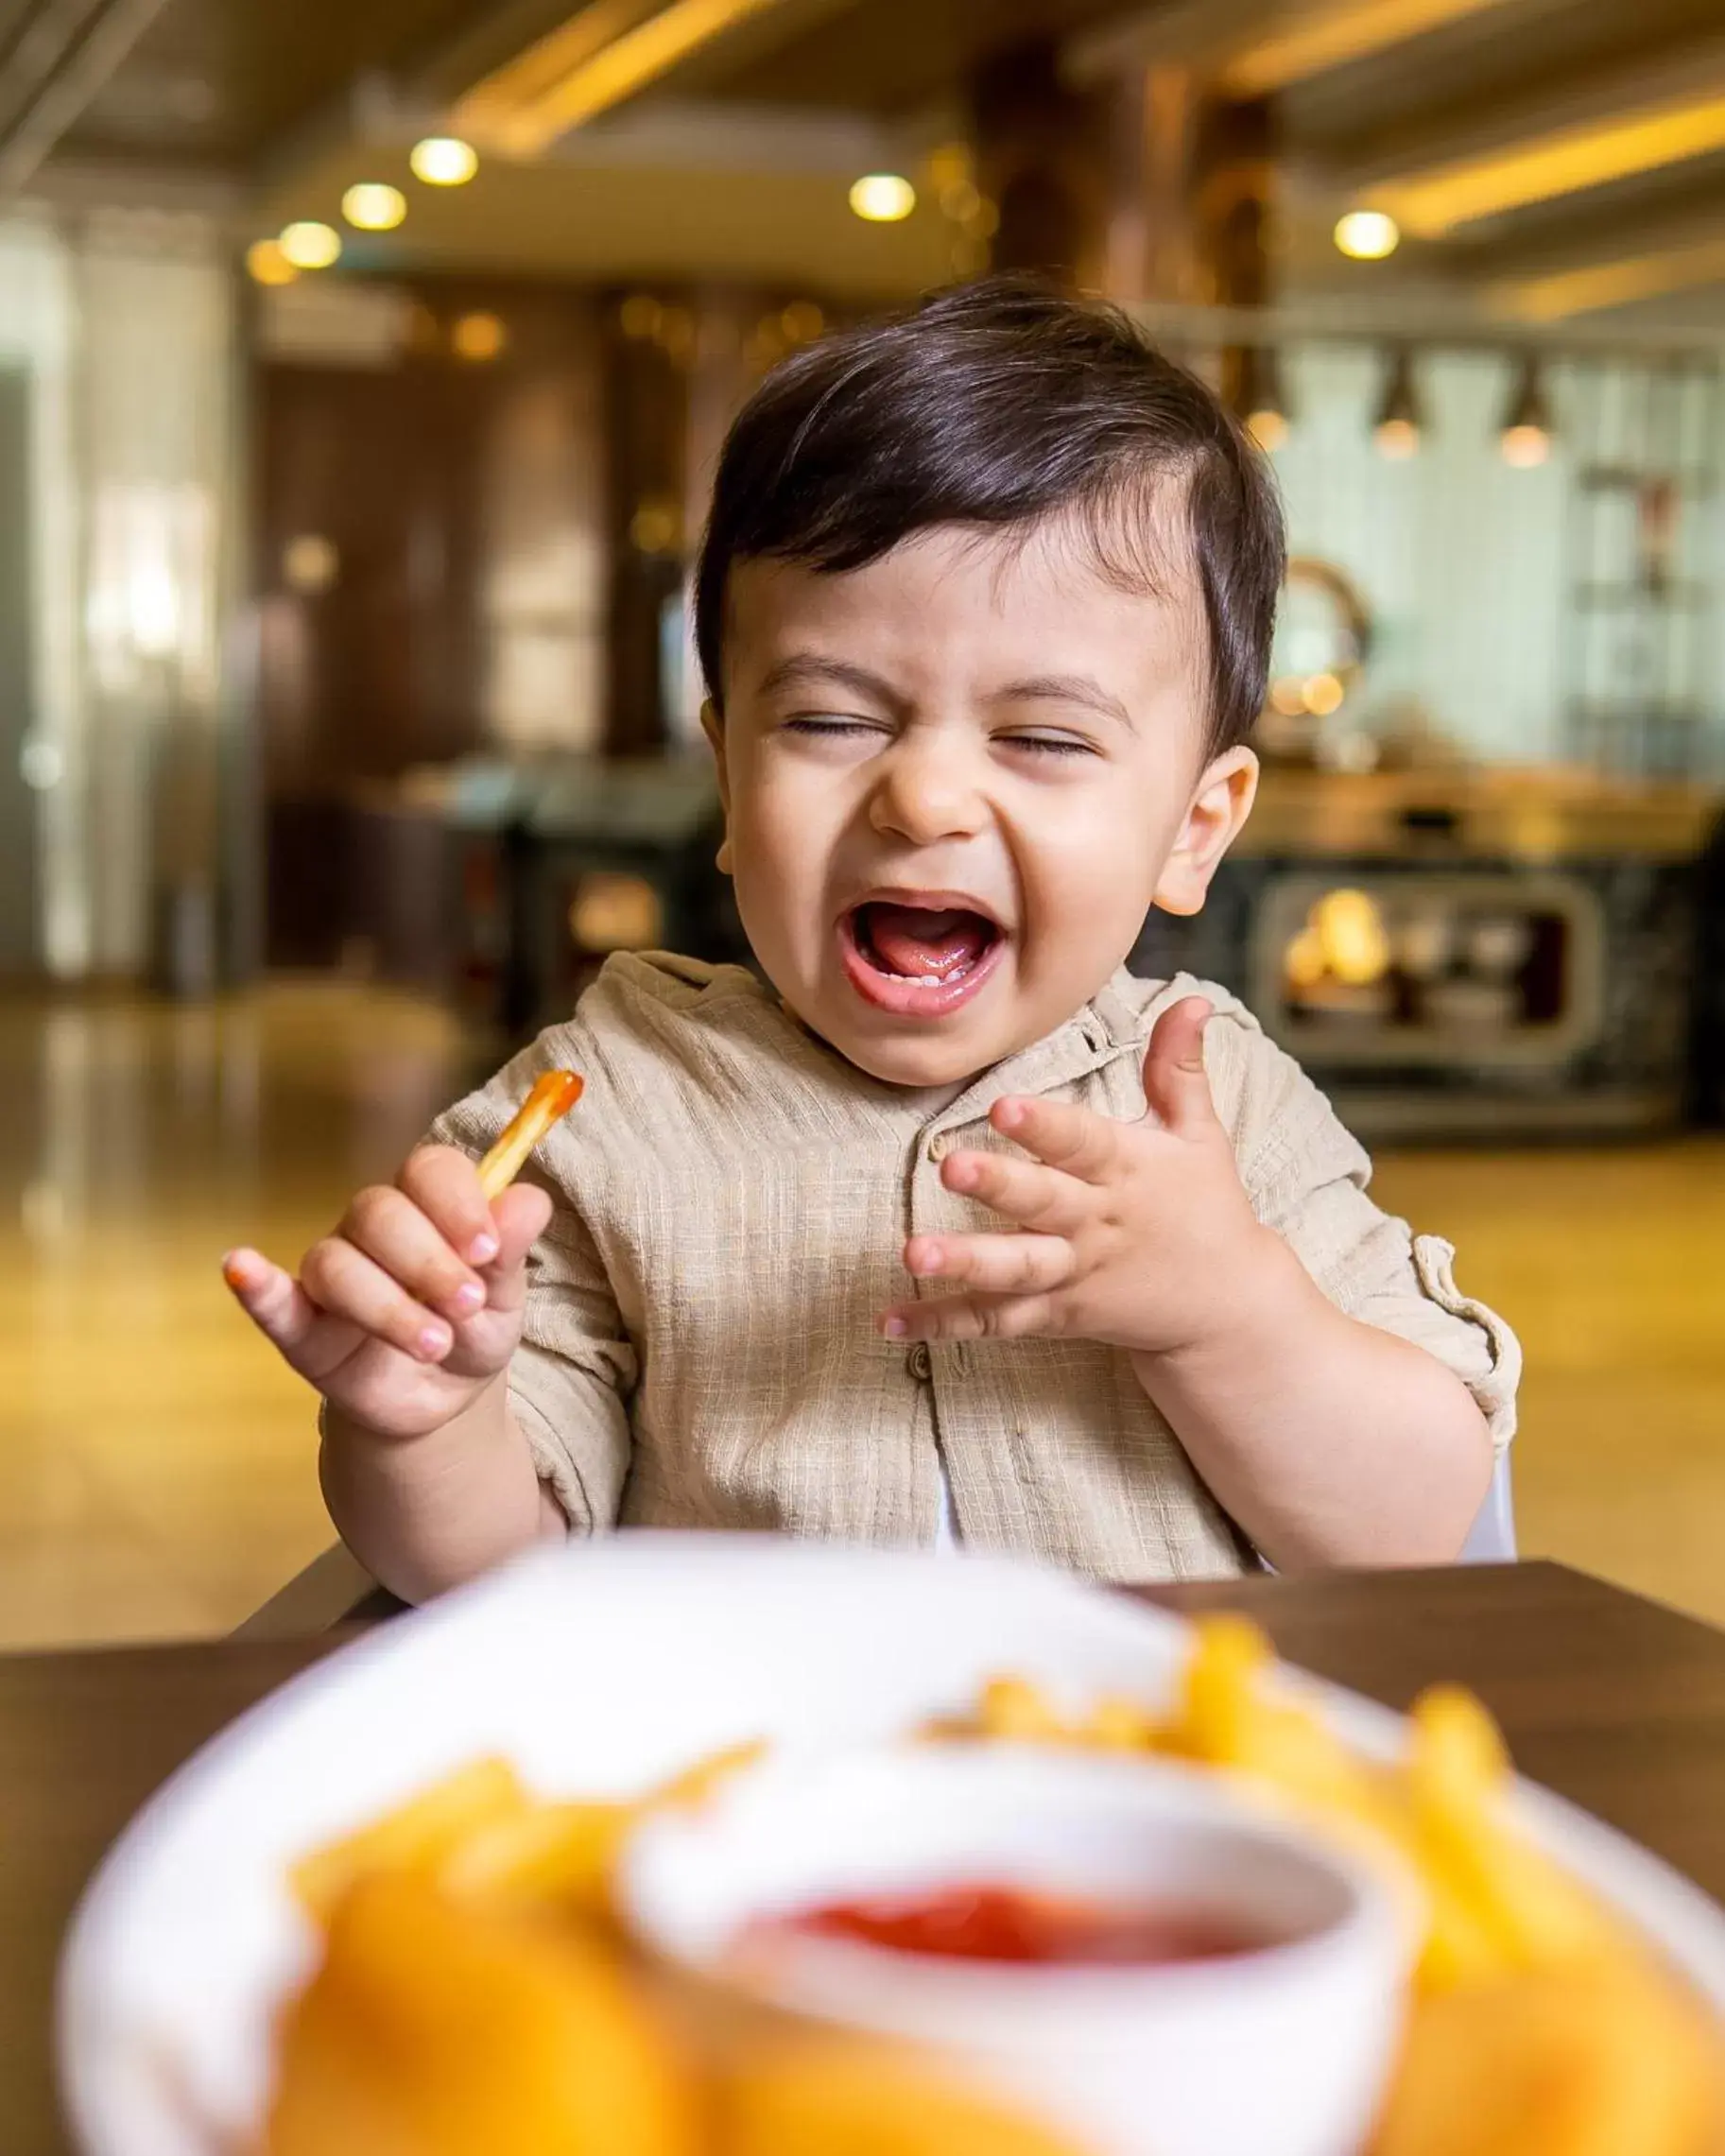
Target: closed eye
{"points": [[831, 726], [1049, 744]]}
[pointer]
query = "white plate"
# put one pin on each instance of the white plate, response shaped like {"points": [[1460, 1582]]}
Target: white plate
{"points": [[597, 1669]]}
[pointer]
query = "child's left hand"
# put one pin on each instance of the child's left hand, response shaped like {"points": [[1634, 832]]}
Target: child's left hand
{"points": [[1138, 1235]]}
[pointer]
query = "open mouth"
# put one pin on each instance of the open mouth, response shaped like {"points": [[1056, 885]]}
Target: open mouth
{"points": [[919, 958]]}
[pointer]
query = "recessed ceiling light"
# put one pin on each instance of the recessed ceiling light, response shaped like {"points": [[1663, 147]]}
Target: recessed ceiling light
{"points": [[309, 245], [883, 197], [444, 161], [1368, 236], [374, 207], [266, 265]]}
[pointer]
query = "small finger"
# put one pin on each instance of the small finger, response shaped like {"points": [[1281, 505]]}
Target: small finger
{"points": [[393, 1231], [306, 1339], [1176, 1084], [996, 1265], [444, 1184], [1035, 1197], [346, 1284], [1075, 1140], [271, 1297], [973, 1317]]}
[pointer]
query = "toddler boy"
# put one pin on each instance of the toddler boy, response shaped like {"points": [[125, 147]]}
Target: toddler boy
{"points": [[951, 1230]]}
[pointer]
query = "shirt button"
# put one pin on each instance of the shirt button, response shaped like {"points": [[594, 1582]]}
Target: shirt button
{"points": [[939, 1147], [920, 1363]]}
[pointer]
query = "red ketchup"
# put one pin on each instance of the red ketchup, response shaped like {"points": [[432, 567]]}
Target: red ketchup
{"points": [[1014, 1924]]}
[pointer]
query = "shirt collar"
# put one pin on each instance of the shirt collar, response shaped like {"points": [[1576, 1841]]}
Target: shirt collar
{"points": [[1109, 1027], [1094, 1036]]}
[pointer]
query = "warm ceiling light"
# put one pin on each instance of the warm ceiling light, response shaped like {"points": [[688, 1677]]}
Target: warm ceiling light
{"points": [[479, 337], [587, 65], [883, 197], [1525, 446], [444, 161], [1324, 694], [374, 207], [1526, 440], [1567, 161], [1263, 402], [266, 265], [1397, 427], [309, 245], [1367, 235]]}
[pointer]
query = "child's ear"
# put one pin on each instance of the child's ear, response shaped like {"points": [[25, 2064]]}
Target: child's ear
{"points": [[1220, 806], [712, 726]]}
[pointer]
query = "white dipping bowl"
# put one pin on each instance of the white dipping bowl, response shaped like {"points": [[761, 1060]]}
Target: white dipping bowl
{"points": [[1283, 2047]]}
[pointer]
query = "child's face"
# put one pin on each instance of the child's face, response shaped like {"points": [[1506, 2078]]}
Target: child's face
{"points": [[955, 781]]}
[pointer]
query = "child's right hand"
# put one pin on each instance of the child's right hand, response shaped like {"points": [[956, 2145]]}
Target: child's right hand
{"points": [[405, 1315]]}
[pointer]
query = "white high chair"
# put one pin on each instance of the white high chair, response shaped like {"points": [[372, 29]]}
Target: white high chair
{"points": [[1491, 1537]]}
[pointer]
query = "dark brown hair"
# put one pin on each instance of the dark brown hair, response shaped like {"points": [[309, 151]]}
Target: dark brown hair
{"points": [[1000, 404]]}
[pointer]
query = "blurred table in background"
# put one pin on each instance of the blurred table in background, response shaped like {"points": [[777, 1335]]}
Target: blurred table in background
{"points": [[502, 886], [1497, 954]]}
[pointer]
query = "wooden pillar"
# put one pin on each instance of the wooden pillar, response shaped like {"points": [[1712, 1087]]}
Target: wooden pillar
{"points": [[648, 340], [1037, 161], [1150, 186], [1232, 191]]}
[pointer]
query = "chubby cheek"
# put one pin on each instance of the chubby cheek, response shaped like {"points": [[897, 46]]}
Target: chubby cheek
{"points": [[779, 872], [1087, 890]]}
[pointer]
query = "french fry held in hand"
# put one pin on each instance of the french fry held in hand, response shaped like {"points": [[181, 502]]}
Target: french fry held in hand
{"points": [[554, 1095]]}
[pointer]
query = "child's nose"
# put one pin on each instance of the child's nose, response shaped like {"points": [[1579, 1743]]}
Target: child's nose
{"points": [[927, 791]]}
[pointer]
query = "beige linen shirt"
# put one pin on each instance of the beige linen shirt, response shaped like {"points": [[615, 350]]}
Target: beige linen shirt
{"points": [[733, 1199]]}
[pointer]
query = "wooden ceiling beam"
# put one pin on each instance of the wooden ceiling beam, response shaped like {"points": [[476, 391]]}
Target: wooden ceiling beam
{"points": [[1255, 48], [601, 55], [1578, 104], [1600, 285], [58, 77], [1576, 160], [1593, 262]]}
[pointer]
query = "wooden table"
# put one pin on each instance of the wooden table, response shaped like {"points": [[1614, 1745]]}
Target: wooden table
{"points": [[1616, 1701]]}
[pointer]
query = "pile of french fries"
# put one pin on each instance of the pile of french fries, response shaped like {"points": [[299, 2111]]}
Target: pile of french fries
{"points": [[475, 1995], [1540, 2025]]}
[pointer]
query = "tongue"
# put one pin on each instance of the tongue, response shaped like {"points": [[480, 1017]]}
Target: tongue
{"points": [[910, 940]]}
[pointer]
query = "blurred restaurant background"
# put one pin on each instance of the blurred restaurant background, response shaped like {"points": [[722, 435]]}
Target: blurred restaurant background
{"points": [[362, 366]]}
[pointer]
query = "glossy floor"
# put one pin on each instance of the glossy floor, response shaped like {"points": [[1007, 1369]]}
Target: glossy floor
{"points": [[157, 1464]]}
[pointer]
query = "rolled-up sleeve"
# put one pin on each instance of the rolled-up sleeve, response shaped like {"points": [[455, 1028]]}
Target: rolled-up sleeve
{"points": [[571, 1377], [1306, 1176]]}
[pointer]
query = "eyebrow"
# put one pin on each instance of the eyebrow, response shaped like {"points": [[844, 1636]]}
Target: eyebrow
{"points": [[1068, 688], [806, 669]]}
